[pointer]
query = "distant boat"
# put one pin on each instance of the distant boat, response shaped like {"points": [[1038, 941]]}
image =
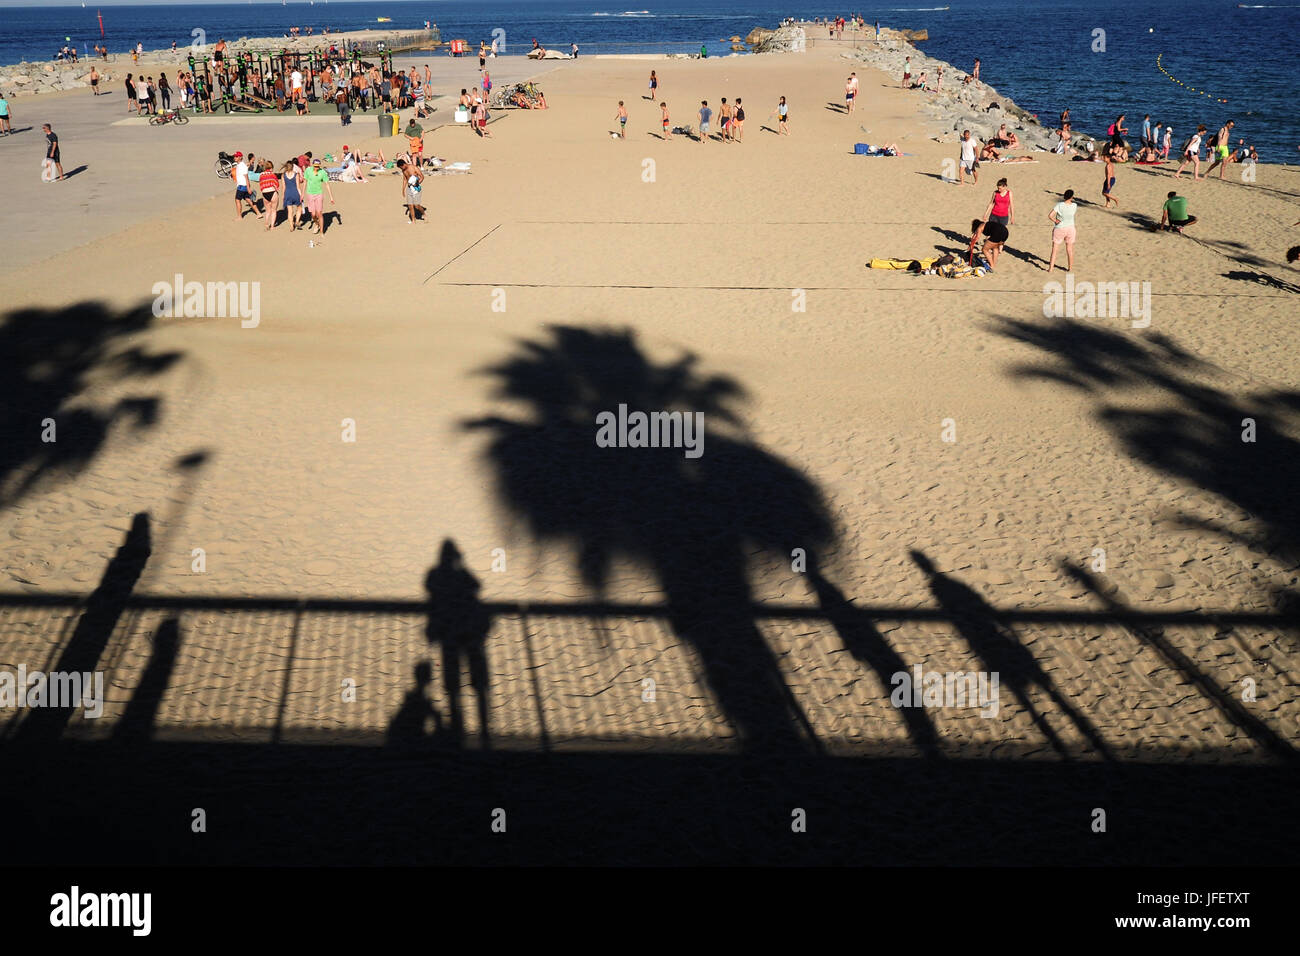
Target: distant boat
{"points": [[383, 19]]}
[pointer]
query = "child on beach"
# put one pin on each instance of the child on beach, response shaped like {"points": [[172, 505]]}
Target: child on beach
{"points": [[668, 128], [783, 114], [1062, 219], [1164, 149], [705, 115], [1108, 181], [621, 116]]}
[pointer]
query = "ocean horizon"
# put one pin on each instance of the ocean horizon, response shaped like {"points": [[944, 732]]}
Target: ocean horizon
{"points": [[1097, 57]]}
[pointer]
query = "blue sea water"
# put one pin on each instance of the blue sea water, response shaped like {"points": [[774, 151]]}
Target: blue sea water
{"points": [[1044, 54]]}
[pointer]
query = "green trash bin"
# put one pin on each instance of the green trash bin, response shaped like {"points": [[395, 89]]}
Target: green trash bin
{"points": [[387, 124]]}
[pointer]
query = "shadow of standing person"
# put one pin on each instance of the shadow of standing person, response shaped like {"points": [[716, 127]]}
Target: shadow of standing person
{"points": [[999, 648], [460, 623]]}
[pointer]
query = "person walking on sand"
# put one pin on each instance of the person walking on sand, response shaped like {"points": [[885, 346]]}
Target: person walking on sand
{"points": [[1118, 131], [1221, 144], [292, 177], [242, 194], [1108, 180], [269, 184], [1002, 208], [1168, 141], [850, 92], [412, 186], [318, 182], [94, 81], [706, 114], [783, 116], [621, 116], [6, 127], [52, 149], [967, 164], [132, 104], [654, 85], [738, 122], [907, 72], [1062, 219], [1192, 154], [668, 126]]}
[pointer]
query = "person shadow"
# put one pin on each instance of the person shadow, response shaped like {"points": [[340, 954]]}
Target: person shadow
{"points": [[863, 640], [410, 726], [999, 648], [460, 623]]}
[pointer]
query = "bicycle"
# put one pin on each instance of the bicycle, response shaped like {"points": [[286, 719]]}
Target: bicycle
{"points": [[168, 116], [224, 167]]}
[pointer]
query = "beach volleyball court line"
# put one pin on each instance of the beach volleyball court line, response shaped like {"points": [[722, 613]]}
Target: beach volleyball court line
{"points": [[461, 253], [963, 287]]}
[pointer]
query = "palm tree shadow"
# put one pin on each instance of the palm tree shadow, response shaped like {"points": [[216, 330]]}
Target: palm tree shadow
{"points": [[693, 523], [50, 360], [863, 640], [1000, 649]]}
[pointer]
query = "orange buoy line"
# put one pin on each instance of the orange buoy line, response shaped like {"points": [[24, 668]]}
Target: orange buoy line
{"points": [[1160, 67]]}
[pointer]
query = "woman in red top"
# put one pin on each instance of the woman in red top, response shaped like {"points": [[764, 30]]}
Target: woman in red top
{"points": [[1001, 208], [269, 183]]}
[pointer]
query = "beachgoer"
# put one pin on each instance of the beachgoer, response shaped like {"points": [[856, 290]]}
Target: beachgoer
{"points": [[412, 183], [52, 149], [975, 73], [783, 117], [481, 119], [1118, 131], [94, 81], [269, 184], [621, 116], [1108, 181], [1164, 148], [724, 120], [654, 84], [738, 122], [1221, 144], [851, 93], [292, 177], [1173, 214], [1146, 129], [1192, 154], [668, 130], [243, 196], [907, 72], [705, 115], [318, 182], [968, 161], [993, 234], [1002, 208], [1062, 219], [6, 127]]}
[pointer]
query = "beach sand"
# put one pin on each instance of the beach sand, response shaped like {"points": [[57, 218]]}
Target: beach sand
{"points": [[606, 261]]}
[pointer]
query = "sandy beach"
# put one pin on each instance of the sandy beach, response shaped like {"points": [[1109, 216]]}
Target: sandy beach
{"points": [[972, 485]]}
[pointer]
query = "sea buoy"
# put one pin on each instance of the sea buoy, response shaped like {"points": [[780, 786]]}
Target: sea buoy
{"points": [[1151, 29]]}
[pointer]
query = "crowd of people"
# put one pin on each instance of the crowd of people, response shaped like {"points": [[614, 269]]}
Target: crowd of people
{"points": [[299, 187]]}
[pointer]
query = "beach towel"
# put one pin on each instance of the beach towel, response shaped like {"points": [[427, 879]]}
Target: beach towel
{"points": [[916, 265]]}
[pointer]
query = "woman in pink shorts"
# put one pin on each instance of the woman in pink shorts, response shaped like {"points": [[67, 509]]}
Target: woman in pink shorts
{"points": [[1062, 218]]}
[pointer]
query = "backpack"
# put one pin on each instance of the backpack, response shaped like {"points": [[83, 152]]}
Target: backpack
{"points": [[1110, 130]]}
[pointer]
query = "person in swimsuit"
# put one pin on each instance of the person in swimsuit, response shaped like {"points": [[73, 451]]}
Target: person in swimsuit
{"points": [[782, 115], [654, 84], [292, 196], [1192, 154], [621, 116], [1001, 207], [1108, 181], [738, 122], [668, 130], [850, 92], [1062, 219], [269, 184], [1118, 131], [412, 181], [993, 234], [724, 119], [1222, 148]]}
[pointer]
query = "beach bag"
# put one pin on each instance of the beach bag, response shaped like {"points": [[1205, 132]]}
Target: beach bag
{"points": [[47, 171], [861, 149]]}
